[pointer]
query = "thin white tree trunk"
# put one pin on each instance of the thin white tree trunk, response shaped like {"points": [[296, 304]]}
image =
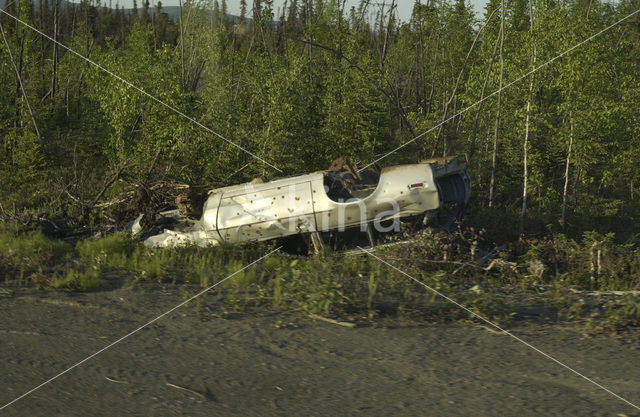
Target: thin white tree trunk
{"points": [[484, 87], [54, 72], [492, 181], [566, 175], [525, 147], [182, 48], [387, 34]]}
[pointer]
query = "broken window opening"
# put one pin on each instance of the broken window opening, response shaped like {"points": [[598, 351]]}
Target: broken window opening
{"points": [[347, 184]]}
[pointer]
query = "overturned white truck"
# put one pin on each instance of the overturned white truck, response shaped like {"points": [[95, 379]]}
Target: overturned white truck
{"points": [[332, 201]]}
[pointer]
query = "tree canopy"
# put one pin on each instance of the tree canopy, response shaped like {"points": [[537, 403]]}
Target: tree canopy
{"points": [[304, 85]]}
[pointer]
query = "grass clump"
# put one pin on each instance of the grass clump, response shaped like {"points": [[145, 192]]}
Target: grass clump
{"points": [[24, 253], [622, 314], [111, 251], [74, 279]]}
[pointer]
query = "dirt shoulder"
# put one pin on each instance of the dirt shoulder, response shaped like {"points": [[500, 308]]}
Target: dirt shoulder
{"points": [[264, 363]]}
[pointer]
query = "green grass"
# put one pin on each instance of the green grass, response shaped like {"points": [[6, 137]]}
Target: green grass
{"points": [[335, 285], [112, 251], [23, 253], [77, 280]]}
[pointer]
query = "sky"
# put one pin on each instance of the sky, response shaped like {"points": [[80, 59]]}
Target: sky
{"points": [[404, 6], [233, 6]]}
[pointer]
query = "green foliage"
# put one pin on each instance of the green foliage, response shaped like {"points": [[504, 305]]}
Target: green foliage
{"points": [[622, 314], [333, 285], [22, 253], [362, 87]]}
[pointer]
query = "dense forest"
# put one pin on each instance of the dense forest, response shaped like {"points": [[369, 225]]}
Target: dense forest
{"points": [[302, 85]]}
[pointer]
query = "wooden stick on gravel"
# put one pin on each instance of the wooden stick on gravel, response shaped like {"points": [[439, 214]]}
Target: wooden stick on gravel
{"points": [[188, 390], [332, 321]]}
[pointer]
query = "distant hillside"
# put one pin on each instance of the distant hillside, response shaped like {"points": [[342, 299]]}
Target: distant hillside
{"points": [[172, 11]]}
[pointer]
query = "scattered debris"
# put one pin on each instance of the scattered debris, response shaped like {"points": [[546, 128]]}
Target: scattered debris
{"points": [[502, 263], [476, 289], [115, 380], [600, 293], [332, 321], [135, 226], [206, 395], [492, 331], [170, 238]]}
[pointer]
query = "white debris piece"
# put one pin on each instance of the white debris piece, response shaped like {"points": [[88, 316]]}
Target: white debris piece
{"points": [[171, 238], [135, 226]]}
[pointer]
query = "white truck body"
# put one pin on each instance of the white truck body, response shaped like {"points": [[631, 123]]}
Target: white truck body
{"points": [[300, 204]]}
